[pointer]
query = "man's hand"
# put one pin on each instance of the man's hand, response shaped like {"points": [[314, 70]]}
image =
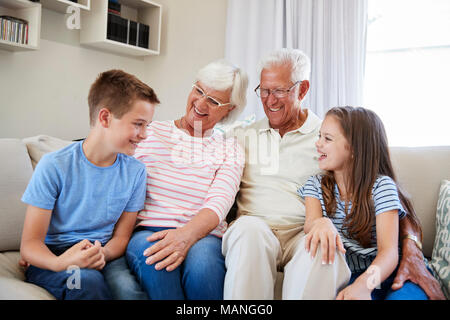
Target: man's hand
{"points": [[323, 232], [413, 268], [172, 248]]}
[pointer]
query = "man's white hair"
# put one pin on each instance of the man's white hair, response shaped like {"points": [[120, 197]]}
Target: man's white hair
{"points": [[297, 59], [221, 75]]}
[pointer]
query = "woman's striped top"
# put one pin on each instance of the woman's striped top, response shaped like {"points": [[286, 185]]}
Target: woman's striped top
{"points": [[186, 174]]}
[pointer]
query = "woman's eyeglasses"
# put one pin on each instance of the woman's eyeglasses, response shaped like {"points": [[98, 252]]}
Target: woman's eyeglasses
{"points": [[213, 102]]}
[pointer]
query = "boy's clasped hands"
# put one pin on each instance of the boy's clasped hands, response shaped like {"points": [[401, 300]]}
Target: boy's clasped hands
{"points": [[84, 254]]}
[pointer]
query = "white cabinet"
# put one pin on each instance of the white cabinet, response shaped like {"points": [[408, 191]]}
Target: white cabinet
{"points": [[94, 21], [61, 5], [27, 10], [93, 31]]}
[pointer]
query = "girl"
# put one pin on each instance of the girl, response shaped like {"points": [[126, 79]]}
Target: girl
{"points": [[357, 199]]}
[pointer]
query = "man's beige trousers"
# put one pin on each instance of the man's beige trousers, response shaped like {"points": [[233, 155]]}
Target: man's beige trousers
{"points": [[254, 252]]}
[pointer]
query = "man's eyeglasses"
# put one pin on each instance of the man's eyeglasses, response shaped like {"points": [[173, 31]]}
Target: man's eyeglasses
{"points": [[212, 102], [278, 93]]}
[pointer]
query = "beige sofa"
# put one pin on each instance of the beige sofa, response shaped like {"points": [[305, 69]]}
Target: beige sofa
{"points": [[419, 170]]}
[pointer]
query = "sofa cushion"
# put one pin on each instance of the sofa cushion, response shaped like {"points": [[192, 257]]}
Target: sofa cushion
{"points": [[419, 171], [42, 144], [441, 251], [12, 284], [15, 173]]}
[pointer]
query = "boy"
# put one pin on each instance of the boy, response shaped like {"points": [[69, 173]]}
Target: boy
{"points": [[83, 199]]}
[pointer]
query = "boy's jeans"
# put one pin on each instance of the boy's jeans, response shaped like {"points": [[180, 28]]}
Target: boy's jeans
{"points": [[199, 277], [72, 284]]}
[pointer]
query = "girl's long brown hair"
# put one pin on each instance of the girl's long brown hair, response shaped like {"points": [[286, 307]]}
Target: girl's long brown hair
{"points": [[366, 136]]}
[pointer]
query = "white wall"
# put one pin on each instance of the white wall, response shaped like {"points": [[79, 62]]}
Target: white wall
{"points": [[45, 91], [193, 35]]}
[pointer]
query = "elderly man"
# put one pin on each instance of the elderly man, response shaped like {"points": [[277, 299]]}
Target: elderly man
{"points": [[268, 234]]}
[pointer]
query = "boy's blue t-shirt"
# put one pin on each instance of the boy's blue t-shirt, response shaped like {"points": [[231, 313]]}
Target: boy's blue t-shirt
{"points": [[86, 200]]}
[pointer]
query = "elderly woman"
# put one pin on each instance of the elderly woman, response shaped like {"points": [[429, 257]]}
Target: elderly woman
{"points": [[193, 177]]}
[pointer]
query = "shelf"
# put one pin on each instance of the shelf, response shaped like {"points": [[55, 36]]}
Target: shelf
{"points": [[62, 5], [17, 4], [12, 46], [94, 26], [121, 48], [94, 17], [27, 10]]}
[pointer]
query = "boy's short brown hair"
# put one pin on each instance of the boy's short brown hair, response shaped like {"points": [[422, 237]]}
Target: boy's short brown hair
{"points": [[117, 90]]}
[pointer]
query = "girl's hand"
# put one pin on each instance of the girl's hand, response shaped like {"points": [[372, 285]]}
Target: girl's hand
{"points": [[355, 291], [172, 248], [324, 232]]}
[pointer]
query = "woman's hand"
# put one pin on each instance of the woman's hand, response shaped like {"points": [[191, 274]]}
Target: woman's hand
{"points": [[324, 232], [171, 249], [174, 244]]}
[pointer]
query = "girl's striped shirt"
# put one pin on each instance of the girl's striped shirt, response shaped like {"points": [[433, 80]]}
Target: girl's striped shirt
{"points": [[186, 174], [385, 197]]}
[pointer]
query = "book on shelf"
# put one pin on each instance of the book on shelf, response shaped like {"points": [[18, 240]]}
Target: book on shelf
{"points": [[117, 28], [132, 33], [114, 7], [127, 31], [143, 35], [13, 29]]}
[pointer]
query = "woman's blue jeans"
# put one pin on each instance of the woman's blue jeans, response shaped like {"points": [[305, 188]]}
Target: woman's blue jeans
{"points": [[199, 277]]}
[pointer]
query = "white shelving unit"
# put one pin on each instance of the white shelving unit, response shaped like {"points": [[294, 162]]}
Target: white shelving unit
{"points": [[23, 9], [61, 5], [94, 26]]}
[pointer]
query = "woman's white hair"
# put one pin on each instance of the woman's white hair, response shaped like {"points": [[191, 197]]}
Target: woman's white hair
{"points": [[297, 59], [221, 75]]}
